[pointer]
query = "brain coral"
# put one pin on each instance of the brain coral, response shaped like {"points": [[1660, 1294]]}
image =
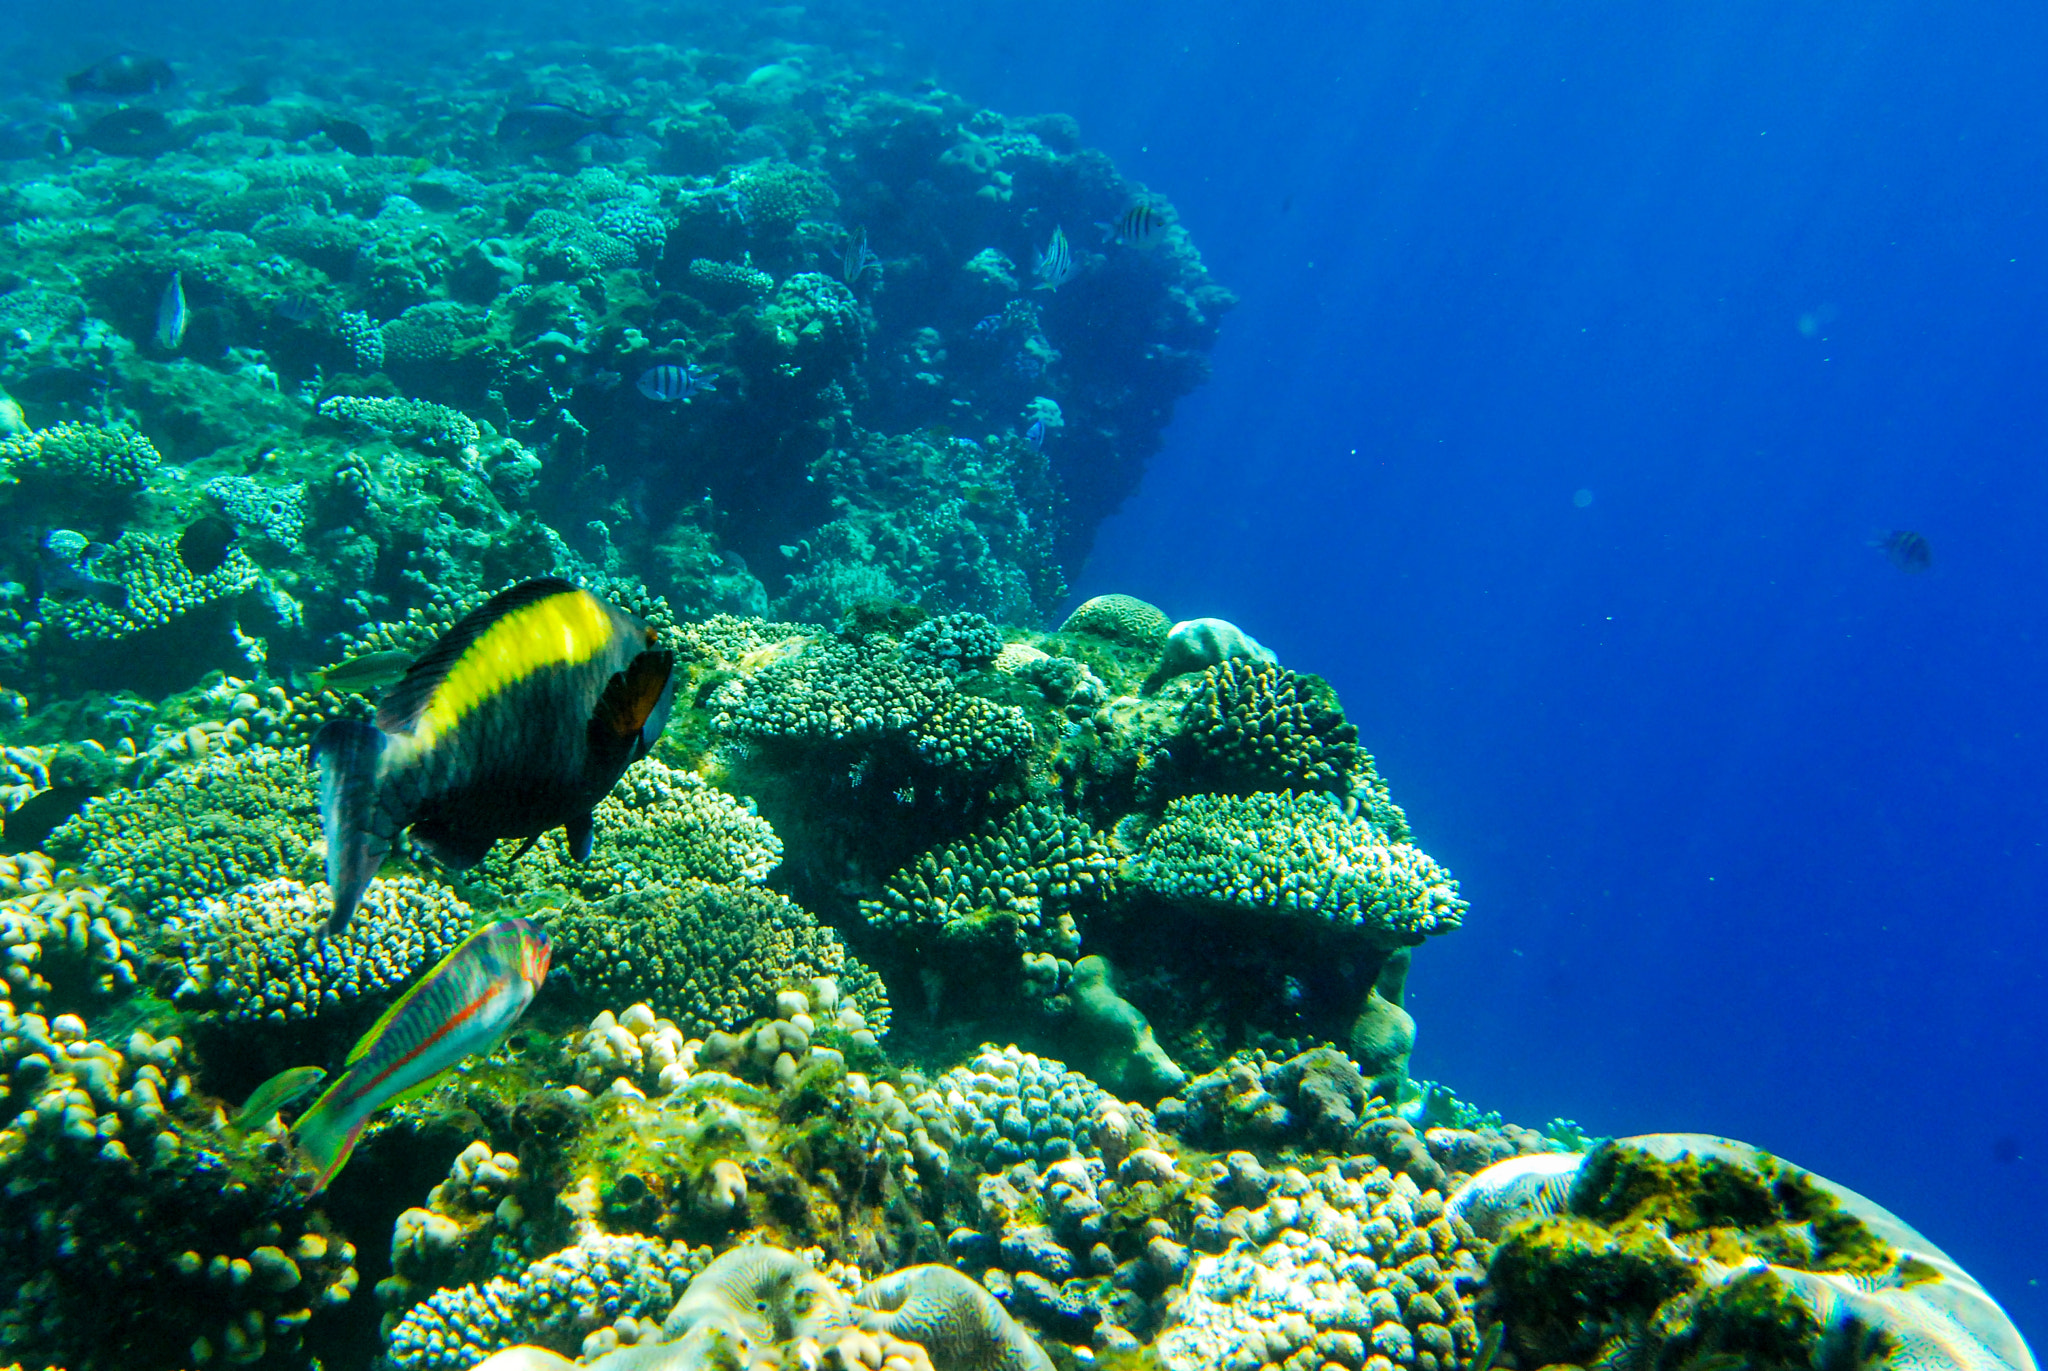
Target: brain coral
{"points": [[709, 957], [1124, 618], [263, 952], [660, 825], [201, 830], [1295, 854]]}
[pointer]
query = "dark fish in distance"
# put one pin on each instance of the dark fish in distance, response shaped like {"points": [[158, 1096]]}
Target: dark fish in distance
{"points": [[298, 308], [858, 260], [1908, 551], [131, 132], [547, 127], [124, 73], [364, 672], [1139, 225], [673, 381], [204, 544], [518, 720], [254, 91], [30, 823], [348, 135]]}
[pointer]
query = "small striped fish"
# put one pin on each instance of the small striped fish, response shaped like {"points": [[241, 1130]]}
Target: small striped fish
{"points": [[1056, 266], [463, 1006], [858, 260], [170, 314], [1138, 226], [673, 381]]}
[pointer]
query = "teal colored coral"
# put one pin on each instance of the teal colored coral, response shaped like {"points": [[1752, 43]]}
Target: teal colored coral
{"points": [[1295, 854]]}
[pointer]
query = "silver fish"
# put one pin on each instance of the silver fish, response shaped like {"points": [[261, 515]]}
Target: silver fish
{"points": [[171, 316], [1056, 265], [858, 260]]}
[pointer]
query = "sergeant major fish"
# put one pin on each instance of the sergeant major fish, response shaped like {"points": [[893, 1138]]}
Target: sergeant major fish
{"points": [[1137, 226], [518, 720], [672, 381], [464, 1005], [1056, 263]]}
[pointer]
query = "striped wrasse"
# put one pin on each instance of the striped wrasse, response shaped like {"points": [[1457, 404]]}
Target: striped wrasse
{"points": [[463, 1006]]}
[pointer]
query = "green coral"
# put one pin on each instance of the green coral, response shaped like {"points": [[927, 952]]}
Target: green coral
{"points": [[420, 422], [263, 952], [659, 825], [201, 830], [776, 196], [1295, 854], [78, 465], [1015, 880], [158, 590], [707, 956], [835, 692], [1252, 726], [1121, 618]]}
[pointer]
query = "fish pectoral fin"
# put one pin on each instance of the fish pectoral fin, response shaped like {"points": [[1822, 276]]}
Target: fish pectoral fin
{"points": [[580, 832], [456, 851], [424, 1088], [632, 699]]}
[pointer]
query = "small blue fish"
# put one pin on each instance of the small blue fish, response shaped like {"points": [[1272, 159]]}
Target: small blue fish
{"points": [[1056, 264], [1035, 435], [988, 328], [171, 317], [673, 381]]}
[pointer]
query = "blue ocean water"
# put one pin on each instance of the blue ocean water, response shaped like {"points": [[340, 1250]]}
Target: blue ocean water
{"points": [[1583, 348]]}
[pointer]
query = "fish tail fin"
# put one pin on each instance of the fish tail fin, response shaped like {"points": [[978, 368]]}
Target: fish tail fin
{"points": [[1108, 231], [346, 751], [325, 1136]]}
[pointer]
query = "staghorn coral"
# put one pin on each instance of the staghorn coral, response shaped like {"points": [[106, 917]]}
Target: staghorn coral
{"points": [[186, 1246], [98, 469], [1351, 1264], [1015, 882], [660, 825], [201, 830], [1295, 855], [263, 953], [706, 956]]}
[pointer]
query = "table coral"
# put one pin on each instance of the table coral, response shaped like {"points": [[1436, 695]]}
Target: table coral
{"points": [[660, 825], [706, 956], [202, 830], [1295, 855], [263, 953]]}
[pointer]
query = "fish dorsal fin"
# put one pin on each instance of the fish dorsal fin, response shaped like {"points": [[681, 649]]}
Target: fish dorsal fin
{"points": [[399, 1005], [403, 703], [631, 696]]}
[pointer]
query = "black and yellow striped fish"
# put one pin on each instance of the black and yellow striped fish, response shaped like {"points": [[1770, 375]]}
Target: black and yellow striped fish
{"points": [[518, 720]]}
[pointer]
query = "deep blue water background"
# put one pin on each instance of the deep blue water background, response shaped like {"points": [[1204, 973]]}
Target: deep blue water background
{"points": [[1752, 823]]}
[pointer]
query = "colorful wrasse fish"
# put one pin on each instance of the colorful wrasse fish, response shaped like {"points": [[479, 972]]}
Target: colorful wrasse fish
{"points": [[518, 720], [463, 1006], [1056, 263], [365, 672], [264, 1102]]}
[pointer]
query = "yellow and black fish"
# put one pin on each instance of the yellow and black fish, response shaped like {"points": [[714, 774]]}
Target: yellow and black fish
{"points": [[518, 720]]}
